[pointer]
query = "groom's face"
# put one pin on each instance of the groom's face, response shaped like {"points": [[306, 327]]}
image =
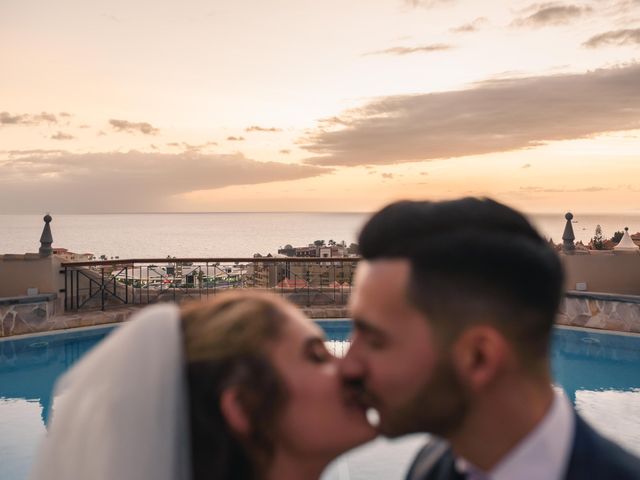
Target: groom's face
{"points": [[396, 361]]}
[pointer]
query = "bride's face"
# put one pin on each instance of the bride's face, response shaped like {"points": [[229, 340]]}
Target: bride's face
{"points": [[319, 417]]}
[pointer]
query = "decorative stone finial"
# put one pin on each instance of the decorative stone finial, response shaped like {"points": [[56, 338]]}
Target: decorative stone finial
{"points": [[46, 239], [626, 229], [568, 237]]}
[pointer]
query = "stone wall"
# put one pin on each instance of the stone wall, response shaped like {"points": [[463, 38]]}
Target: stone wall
{"points": [[603, 311], [578, 309], [35, 318], [603, 271], [18, 273], [19, 315]]}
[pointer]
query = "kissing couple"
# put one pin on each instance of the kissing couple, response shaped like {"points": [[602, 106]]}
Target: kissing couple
{"points": [[453, 307]]}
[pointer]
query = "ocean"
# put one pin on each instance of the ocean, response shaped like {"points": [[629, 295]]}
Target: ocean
{"points": [[231, 234]]}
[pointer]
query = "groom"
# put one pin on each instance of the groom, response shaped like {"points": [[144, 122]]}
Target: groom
{"points": [[453, 308]]}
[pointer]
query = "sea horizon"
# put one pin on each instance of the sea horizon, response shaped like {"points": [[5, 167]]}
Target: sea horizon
{"points": [[633, 212], [233, 234]]}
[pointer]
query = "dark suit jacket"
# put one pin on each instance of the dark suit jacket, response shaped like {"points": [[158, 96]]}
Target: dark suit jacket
{"points": [[592, 457]]}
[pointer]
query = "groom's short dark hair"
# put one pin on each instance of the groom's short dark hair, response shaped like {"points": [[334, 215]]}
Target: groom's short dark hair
{"points": [[472, 259]]}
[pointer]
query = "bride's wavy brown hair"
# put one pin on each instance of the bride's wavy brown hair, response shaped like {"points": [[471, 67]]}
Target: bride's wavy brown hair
{"points": [[225, 344]]}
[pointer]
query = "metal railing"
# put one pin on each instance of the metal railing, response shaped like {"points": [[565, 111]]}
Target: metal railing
{"points": [[308, 281]]}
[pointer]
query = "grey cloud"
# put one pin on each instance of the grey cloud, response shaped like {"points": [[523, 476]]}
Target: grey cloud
{"points": [[495, 116], [7, 119], [26, 119], [235, 139], [84, 125], [284, 151], [627, 36], [192, 148], [256, 128], [624, 6], [387, 175], [471, 26], [526, 165], [38, 151], [198, 147], [129, 181], [62, 136], [551, 14], [436, 47], [65, 114], [133, 127], [44, 117]]}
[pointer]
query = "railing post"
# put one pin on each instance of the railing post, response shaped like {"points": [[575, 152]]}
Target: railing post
{"points": [[102, 290], [66, 291], [308, 286], [72, 289], [207, 279], [173, 282]]}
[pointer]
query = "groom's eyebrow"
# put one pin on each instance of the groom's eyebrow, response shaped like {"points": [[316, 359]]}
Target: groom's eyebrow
{"points": [[365, 327]]}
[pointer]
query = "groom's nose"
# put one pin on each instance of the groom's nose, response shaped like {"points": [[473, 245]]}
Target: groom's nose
{"points": [[352, 366]]}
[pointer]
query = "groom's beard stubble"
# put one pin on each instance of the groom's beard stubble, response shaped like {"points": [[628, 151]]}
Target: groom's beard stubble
{"points": [[439, 407]]}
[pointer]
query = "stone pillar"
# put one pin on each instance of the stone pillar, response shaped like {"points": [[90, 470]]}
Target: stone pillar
{"points": [[568, 237], [46, 239]]}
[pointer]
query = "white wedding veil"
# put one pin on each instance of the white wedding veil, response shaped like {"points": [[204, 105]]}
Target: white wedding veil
{"points": [[121, 412]]}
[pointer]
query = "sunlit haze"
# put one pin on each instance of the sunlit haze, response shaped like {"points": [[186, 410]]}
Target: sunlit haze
{"points": [[300, 105]]}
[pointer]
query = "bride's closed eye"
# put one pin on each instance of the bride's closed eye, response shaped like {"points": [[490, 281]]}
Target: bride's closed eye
{"points": [[316, 351]]}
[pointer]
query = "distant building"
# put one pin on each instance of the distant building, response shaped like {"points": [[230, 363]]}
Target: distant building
{"points": [[333, 251], [322, 251], [287, 251], [310, 251], [68, 256]]}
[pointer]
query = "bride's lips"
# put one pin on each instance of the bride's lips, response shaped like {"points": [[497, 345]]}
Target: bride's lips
{"points": [[358, 398]]}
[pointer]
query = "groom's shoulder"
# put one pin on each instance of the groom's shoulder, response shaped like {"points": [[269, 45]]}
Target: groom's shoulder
{"points": [[594, 456], [434, 461]]}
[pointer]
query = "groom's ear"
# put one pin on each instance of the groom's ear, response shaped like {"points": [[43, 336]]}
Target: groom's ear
{"points": [[480, 354], [233, 411]]}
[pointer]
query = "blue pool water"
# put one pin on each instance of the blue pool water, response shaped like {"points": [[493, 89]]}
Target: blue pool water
{"points": [[600, 373]]}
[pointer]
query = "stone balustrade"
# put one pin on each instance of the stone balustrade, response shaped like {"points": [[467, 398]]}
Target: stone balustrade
{"points": [[27, 314], [20, 315], [605, 311]]}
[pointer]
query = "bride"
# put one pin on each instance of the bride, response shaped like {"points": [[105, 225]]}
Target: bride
{"points": [[238, 388]]}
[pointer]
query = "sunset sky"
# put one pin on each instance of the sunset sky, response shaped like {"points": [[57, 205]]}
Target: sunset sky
{"points": [[306, 105]]}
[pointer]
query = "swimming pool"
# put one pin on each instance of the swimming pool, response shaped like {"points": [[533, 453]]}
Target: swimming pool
{"points": [[599, 371]]}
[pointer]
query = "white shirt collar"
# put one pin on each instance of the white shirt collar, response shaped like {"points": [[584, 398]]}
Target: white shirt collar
{"points": [[543, 453]]}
